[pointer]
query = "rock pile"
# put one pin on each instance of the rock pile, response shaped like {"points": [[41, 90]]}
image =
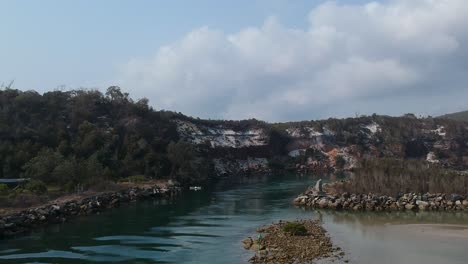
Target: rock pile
{"points": [[279, 246], [374, 202], [25, 221]]}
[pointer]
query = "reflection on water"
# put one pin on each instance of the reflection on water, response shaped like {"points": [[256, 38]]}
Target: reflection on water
{"points": [[207, 227], [395, 218]]}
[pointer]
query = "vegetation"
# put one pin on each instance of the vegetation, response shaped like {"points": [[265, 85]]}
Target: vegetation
{"points": [[79, 138], [394, 176], [136, 178], [36, 186], [3, 189], [82, 138], [295, 228], [459, 116]]}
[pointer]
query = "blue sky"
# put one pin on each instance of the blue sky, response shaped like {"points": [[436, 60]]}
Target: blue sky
{"points": [[242, 59], [49, 43]]}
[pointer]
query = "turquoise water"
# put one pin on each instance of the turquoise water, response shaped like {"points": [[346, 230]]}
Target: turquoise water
{"points": [[207, 227]]}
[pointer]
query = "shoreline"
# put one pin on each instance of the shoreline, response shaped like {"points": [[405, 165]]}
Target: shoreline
{"points": [[319, 198], [66, 208]]}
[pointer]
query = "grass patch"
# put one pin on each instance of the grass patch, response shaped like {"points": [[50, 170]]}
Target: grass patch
{"points": [[295, 229]]}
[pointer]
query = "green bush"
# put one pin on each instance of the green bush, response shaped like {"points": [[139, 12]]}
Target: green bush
{"points": [[21, 200], [3, 189], [36, 186], [136, 178], [20, 190], [295, 229]]}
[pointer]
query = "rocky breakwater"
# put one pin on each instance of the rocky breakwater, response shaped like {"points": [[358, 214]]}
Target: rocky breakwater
{"points": [[27, 220], [302, 241], [316, 198]]}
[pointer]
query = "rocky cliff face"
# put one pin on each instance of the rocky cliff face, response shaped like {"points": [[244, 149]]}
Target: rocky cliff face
{"points": [[220, 136], [329, 145]]}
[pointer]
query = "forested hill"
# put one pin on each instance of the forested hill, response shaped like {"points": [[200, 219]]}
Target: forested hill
{"points": [[85, 137], [460, 116], [82, 136]]}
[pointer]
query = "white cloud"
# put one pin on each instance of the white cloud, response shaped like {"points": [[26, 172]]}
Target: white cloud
{"points": [[348, 54]]}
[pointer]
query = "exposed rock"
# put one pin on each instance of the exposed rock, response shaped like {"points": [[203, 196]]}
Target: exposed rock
{"points": [[323, 203], [301, 200], [456, 197], [219, 137], [241, 166], [422, 205], [279, 246], [318, 186], [372, 202], [248, 242]]}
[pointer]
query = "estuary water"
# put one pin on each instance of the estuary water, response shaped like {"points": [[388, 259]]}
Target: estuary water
{"points": [[208, 226]]}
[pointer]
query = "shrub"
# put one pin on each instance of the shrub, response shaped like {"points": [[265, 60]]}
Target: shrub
{"points": [[136, 178], [69, 186], [3, 189], [393, 176], [295, 229], [36, 186], [103, 185], [26, 200]]}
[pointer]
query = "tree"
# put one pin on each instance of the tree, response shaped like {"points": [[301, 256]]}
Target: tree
{"points": [[42, 166], [116, 95], [66, 171], [180, 154]]}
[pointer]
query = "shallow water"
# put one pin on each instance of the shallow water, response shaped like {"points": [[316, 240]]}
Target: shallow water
{"points": [[207, 227]]}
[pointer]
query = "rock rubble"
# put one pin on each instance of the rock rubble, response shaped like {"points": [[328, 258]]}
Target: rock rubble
{"points": [[27, 220], [279, 246], [375, 202]]}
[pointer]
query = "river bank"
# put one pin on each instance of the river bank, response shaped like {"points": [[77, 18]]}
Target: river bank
{"points": [[328, 198], [18, 222]]}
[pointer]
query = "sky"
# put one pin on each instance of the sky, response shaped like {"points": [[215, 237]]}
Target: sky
{"points": [[275, 60]]}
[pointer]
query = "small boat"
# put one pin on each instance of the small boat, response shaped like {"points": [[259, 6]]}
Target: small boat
{"points": [[195, 188]]}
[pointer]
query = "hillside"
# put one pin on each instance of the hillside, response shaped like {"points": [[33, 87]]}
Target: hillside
{"points": [[84, 137], [329, 145], [459, 116]]}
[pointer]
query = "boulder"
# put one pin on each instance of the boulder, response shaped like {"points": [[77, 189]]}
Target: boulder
{"points": [[323, 203], [301, 200], [248, 242], [393, 207], [422, 205], [456, 197]]}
